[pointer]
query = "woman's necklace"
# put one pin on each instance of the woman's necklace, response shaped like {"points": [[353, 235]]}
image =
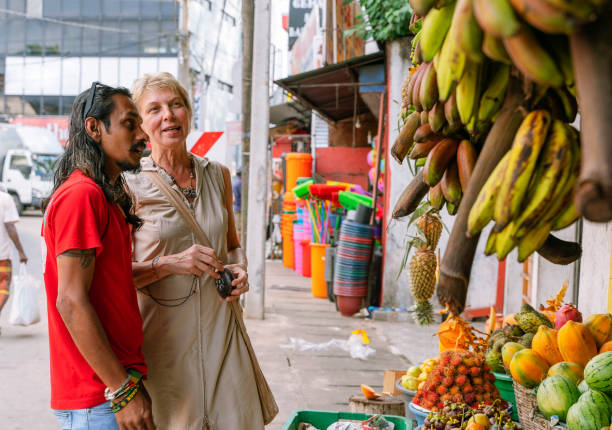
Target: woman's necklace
{"points": [[190, 191]]}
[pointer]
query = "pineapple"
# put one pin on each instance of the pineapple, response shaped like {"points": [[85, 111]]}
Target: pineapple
{"points": [[431, 226], [422, 283]]}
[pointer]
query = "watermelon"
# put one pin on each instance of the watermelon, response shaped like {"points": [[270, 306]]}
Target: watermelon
{"points": [[599, 399], [598, 372], [587, 415], [556, 394], [582, 387]]}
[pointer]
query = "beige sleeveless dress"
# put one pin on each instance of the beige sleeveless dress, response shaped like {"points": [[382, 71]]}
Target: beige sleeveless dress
{"points": [[199, 367]]}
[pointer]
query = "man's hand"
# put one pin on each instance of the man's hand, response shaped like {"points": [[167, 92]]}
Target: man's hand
{"points": [[137, 415], [22, 257]]}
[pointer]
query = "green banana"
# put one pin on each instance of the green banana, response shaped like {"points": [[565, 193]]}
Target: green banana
{"points": [[568, 102], [421, 7], [545, 17], [533, 241], [428, 94], [468, 91], [530, 57], [505, 242], [435, 26], [436, 198], [451, 63], [490, 247], [469, 32], [559, 46], [496, 17], [451, 208], [555, 155], [493, 96], [566, 217], [493, 48], [526, 147], [582, 10], [482, 210]]}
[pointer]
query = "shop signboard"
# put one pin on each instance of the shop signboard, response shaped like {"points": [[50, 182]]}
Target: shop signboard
{"points": [[299, 11], [307, 52], [58, 125]]}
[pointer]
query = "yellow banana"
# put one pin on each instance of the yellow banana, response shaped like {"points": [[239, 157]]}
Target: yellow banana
{"points": [[496, 17], [468, 91], [567, 216], [505, 242], [435, 26], [469, 32], [493, 48], [482, 209], [568, 102], [451, 63], [421, 7], [493, 96], [490, 247], [533, 241], [555, 156], [524, 153], [530, 57]]}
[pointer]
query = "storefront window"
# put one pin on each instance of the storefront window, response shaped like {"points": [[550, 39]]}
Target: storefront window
{"points": [[53, 38], [130, 41], [51, 105], [71, 8], [15, 36], [90, 44], [72, 40], [150, 33], [91, 8], [34, 37], [66, 105], [111, 8], [34, 103], [110, 40]]}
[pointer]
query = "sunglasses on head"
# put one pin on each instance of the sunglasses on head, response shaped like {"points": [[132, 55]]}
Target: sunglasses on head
{"points": [[90, 98]]}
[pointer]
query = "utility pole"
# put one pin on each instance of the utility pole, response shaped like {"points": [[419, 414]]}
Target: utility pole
{"points": [[258, 168], [247, 70], [184, 74]]}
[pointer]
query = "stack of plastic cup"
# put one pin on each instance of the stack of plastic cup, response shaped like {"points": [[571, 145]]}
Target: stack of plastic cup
{"points": [[287, 218]]}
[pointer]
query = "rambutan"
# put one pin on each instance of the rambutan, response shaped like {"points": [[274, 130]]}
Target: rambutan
{"points": [[463, 370], [488, 387], [469, 398], [417, 401], [456, 360], [490, 377], [486, 368], [428, 405], [467, 388], [477, 380], [450, 371], [448, 381], [461, 380], [457, 398], [454, 389], [474, 371], [478, 389], [469, 361], [440, 405], [486, 397], [445, 358], [436, 378], [433, 397], [446, 397], [441, 390], [479, 398]]}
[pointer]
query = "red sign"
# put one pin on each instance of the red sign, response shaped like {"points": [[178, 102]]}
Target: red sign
{"points": [[205, 142], [58, 125]]}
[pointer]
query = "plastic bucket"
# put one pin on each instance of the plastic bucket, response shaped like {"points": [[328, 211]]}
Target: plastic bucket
{"points": [[323, 419], [503, 383], [298, 165], [288, 251], [418, 413], [305, 245], [297, 255], [317, 269]]}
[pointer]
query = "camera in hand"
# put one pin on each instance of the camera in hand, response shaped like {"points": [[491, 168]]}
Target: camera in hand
{"points": [[224, 283]]}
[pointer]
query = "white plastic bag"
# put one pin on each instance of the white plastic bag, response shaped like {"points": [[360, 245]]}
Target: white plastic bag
{"points": [[24, 308]]}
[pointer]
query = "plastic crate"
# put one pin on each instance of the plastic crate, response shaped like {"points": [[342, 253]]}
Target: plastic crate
{"points": [[323, 419]]}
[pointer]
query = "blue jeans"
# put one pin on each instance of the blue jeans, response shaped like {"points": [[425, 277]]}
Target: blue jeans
{"points": [[97, 418]]}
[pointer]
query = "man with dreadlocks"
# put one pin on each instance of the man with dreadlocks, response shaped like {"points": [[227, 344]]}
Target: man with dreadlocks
{"points": [[95, 328]]}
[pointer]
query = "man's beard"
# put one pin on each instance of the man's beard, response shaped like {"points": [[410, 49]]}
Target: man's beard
{"points": [[127, 166]]}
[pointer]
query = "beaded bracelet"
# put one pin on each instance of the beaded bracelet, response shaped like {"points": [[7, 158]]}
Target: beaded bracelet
{"points": [[117, 406], [131, 380]]}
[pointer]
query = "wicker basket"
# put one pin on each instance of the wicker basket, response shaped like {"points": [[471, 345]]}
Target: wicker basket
{"points": [[527, 407]]}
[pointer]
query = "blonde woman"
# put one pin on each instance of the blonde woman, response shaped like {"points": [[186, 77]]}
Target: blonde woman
{"points": [[200, 373]]}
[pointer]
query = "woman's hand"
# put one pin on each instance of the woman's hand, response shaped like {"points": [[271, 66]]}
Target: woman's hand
{"points": [[241, 282], [196, 260]]}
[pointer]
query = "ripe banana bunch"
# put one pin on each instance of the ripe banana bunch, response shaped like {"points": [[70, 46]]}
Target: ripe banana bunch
{"points": [[530, 192]]}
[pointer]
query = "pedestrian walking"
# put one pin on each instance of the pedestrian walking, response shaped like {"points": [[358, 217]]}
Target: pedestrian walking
{"points": [[95, 328], [203, 373], [8, 230], [237, 191]]}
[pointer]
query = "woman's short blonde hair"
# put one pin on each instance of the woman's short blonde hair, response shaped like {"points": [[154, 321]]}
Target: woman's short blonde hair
{"points": [[149, 81]]}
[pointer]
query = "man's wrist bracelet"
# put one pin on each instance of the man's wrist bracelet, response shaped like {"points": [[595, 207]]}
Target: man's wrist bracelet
{"points": [[132, 379]]}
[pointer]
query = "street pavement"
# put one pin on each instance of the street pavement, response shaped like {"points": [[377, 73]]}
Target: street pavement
{"points": [[315, 379]]}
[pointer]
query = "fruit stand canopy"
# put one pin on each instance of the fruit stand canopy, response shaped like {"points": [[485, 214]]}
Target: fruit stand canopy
{"points": [[333, 90]]}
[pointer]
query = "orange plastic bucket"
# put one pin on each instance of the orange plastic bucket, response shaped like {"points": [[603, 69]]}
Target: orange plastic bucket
{"points": [[298, 166], [317, 269], [288, 256]]}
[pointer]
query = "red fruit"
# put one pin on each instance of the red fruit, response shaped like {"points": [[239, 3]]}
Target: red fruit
{"points": [[448, 381], [568, 312], [457, 398], [437, 378], [461, 380], [486, 368], [446, 397], [478, 389], [467, 388], [470, 398], [416, 401], [433, 397], [479, 360], [428, 405], [441, 390], [486, 397], [440, 405], [477, 380], [456, 360], [479, 397], [450, 371], [454, 389], [463, 370], [490, 377], [469, 361], [474, 371], [488, 387], [445, 358]]}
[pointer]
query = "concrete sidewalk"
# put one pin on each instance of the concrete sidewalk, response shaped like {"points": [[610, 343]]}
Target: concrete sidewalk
{"points": [[326, 379]]}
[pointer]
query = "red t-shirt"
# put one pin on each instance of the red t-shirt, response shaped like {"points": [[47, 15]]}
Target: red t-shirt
{"points": [[80, 217]]}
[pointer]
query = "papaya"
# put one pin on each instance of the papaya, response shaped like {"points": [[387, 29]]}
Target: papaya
{"points": [[508, 351], [576, 343], [544, 343], [600, 327], [573, 371], [606, 347], [528, 368], [369, 392]]}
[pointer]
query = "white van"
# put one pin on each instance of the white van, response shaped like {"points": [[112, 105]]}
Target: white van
{"points": [[27, 160]]}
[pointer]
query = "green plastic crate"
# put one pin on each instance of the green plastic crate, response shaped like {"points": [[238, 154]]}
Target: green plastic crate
{"points": [[506, 391], [323, 419]]}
